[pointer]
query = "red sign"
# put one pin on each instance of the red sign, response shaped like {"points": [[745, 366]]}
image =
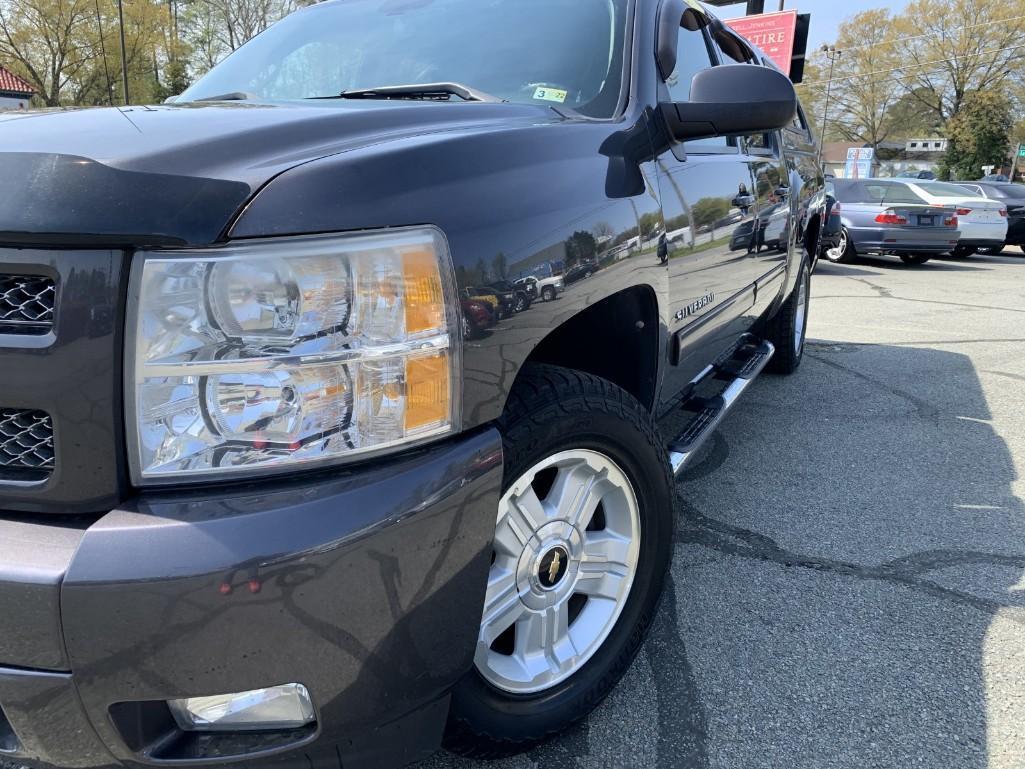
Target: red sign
{"points": [[772, 32]]}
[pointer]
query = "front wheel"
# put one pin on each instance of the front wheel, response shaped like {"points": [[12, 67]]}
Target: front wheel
{"points": [[915, 259], [789, 328], [548, 294], [581, 547]]}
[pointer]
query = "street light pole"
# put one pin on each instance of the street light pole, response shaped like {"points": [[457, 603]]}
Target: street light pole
{"points": [[833, 53], [124, 54]]}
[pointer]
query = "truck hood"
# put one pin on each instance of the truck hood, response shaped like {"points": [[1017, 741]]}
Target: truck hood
{"points": [[179, 174]]}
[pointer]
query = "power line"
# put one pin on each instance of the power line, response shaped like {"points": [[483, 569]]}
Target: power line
{"points": [[895, 40], [915, 66]]}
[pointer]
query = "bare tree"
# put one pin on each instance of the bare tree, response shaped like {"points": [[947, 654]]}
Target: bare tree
{"points": [[957, 46], [862, 100], [218, 27], [51, 42]]}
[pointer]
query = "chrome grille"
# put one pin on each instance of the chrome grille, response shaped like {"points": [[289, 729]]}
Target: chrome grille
{"points": [[26, 444], [26, 304]]}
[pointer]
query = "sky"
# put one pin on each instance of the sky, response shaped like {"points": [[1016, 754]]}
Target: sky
{"points": [[826, 15]]}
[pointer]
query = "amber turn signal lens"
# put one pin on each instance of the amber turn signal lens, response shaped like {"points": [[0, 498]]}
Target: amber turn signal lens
{"points": [[428, 391], [425, 299]]}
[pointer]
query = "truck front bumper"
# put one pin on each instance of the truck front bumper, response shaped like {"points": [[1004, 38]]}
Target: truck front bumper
{"points": [[364, 585]]}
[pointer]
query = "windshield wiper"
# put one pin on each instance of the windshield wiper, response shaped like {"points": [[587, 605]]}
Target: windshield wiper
{"points": [[420, 91]]}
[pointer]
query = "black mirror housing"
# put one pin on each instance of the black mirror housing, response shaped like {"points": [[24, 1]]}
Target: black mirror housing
{"points": [[733, 100]]}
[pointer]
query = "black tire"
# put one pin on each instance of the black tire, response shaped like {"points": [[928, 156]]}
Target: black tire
{"points": [[915, 259], [521, 303], [991, 250], [845, 253], [782, 330], [548, 294], [961, 252], [554, 409]]}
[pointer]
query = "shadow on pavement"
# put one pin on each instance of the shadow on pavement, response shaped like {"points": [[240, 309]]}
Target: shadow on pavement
{"points": [[867, 560]]}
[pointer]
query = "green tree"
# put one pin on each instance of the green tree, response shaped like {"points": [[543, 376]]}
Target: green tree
{"points": [[580, 247], [707, 211], [649, 222], [908, 120], [978, 135]]}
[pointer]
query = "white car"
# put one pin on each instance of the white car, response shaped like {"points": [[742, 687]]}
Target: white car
{"points": [[982, 222], [546, 288]]}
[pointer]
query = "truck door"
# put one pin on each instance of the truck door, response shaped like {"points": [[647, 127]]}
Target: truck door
{"points": [[709, 202]]}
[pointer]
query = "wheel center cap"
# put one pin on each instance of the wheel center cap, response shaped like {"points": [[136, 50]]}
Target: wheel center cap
{"points": [[552, 567]]}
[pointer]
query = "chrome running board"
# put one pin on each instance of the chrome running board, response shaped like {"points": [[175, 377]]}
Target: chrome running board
{"points": [[742, 368]]}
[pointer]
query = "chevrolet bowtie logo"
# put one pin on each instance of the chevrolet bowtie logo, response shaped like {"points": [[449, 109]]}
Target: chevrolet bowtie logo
{"points": [[553, 568]]}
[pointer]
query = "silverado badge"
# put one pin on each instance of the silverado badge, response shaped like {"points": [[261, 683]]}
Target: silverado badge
{"points": [[694, 307]]}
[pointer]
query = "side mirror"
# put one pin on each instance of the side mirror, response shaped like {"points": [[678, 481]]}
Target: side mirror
{"points": [[733, 100]]}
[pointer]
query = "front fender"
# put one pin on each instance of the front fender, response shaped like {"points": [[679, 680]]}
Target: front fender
{"points": [[511, 201]]}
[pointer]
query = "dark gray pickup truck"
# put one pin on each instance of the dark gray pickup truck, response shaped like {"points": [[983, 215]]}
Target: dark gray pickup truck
{"points": [[281, 481]]}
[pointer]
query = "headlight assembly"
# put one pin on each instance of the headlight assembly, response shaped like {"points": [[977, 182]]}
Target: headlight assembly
{"points": [[289, 352]]}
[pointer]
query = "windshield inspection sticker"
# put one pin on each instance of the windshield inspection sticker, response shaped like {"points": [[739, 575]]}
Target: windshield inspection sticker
{"points": [[551, 94]]}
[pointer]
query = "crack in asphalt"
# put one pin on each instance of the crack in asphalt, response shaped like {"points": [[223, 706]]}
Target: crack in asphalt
{"points": [[882, 292], [906, 571]]}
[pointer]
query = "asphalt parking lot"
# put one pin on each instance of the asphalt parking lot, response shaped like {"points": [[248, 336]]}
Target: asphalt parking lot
{"points": [[849, 579]]}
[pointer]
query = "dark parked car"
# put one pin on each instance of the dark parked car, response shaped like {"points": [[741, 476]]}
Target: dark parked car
{"points": [[283, 505], [1013, 197], [518, 297], [580, 271], [885, 216], [926, 175], [506, 300]]}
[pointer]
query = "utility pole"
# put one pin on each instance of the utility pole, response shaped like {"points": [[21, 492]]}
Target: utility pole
{"points": [[833, 53], [124, 53]]}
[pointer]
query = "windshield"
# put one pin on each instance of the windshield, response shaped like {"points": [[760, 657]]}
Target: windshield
{"points": [[555, 52], [877, 193], [1007, 190], [947, 190]]}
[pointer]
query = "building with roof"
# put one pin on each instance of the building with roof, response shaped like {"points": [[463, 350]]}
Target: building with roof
{"points": [[15, 93], [906, 158], [834, 158]]}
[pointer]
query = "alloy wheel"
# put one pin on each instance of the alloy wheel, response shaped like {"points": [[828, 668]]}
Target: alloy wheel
{"points": [[565, 555], [833, 254], [801, 317]]}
